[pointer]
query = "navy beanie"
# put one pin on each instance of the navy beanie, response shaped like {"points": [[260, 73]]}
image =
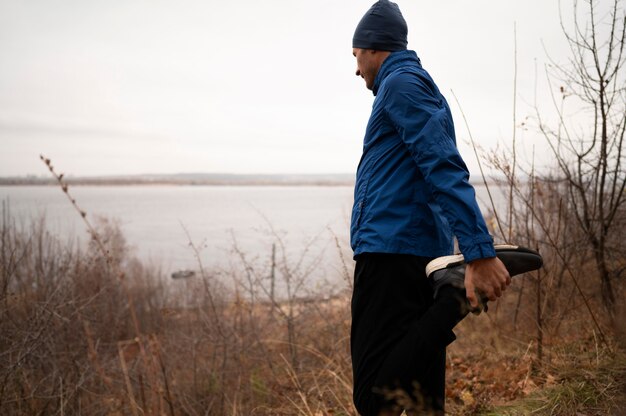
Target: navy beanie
{"points": [[382, 28]]}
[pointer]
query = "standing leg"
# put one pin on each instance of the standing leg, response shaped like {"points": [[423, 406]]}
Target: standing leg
{"points": [[389, 350]]}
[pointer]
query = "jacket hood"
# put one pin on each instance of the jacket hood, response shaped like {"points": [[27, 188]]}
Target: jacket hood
{"points": [[394, 61]]}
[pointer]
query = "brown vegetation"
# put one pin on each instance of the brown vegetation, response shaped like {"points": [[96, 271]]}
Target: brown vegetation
{"points": [[69, 344]]}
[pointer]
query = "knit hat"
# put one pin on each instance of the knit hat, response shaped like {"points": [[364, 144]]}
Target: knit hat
{"points": [[382, 28]]}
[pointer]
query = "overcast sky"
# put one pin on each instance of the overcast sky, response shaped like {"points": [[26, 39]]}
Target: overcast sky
{"points": [[129, 87]]}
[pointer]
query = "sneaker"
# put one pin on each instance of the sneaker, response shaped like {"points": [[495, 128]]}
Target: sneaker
{"points": [[450, 270]]}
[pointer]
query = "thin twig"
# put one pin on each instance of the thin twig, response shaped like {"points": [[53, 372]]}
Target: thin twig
{"points": [[480, 166]]}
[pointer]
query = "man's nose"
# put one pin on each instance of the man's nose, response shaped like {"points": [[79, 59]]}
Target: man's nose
{"points": [[358, 72]]}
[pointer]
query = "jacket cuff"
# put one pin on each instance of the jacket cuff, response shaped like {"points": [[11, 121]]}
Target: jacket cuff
{"points": [[480, 249]]}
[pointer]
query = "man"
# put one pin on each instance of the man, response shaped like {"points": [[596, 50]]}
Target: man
{"points": [[412, 195]]}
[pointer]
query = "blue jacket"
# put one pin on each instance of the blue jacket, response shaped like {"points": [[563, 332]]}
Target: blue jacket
{"points": [[412, 192]]}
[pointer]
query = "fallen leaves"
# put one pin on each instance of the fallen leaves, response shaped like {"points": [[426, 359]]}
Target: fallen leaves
{"points": [[475, 380]]}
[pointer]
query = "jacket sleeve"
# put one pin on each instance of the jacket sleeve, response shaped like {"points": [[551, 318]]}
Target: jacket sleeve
{"points": [[422, 118]]}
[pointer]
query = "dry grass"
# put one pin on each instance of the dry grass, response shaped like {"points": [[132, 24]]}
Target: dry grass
{"points": [[589, 383], [68, 345]]}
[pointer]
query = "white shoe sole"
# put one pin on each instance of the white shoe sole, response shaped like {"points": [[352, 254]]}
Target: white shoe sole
{"points": [[445, 262]]}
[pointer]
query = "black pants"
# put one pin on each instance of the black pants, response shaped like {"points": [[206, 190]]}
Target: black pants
{"points": [[398, 341]]}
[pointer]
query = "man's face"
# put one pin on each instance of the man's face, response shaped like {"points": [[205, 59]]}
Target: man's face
{"points": [[367, 65]]}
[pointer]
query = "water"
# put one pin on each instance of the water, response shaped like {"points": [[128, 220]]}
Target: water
{"points": [[154, 218]]}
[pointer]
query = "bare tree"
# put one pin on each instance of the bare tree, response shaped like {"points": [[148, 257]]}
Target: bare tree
{"points": [[588, 146]]}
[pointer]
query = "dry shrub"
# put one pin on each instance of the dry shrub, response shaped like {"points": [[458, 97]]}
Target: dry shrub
{"points": [[69, 344], [60, 318]]}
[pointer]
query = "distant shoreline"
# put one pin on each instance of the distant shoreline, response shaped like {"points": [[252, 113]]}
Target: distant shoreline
{"points": [[197, 180], [164, 183], [188, 180], [127, 183]]}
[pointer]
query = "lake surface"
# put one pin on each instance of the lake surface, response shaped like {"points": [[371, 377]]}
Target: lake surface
{"points": [[154, 218]]}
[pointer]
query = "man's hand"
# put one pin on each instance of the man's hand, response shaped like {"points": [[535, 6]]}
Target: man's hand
{"points": [[485, 276]]}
